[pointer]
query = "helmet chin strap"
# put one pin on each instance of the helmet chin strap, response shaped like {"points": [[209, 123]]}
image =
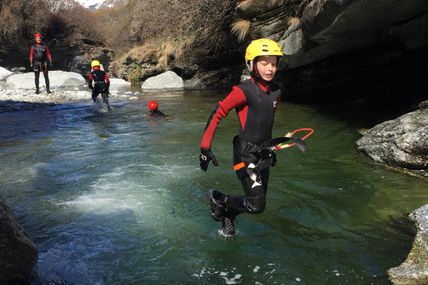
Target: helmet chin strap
{"points": [[254, 72]]}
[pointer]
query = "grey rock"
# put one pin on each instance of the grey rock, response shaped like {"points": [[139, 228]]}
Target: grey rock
{"points": [[166, 80], [4, 73], [414, 270], [57, 79], [17, 251], [402, 142]]}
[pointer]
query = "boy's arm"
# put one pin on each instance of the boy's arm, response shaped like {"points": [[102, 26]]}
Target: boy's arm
{"points": [[235, 99]]}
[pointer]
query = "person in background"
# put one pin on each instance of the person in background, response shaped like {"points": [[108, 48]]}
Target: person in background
{"points": [[98, 81], [40, 60], [255, 101], [154, 111]]}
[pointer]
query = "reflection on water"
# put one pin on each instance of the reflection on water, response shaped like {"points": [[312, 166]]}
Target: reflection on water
{"points": [[118, 198]]}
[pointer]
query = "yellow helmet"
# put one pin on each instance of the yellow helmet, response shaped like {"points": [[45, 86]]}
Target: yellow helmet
{"points": [[261, 47], [95, 63]]}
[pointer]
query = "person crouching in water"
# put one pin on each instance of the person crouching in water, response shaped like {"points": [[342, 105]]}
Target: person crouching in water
{"points": [[98, 81], [40, 59], [154, 111], [255, 101]]}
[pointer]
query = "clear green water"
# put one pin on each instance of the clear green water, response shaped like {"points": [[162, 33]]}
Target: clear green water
{"points": [[119, 198]]}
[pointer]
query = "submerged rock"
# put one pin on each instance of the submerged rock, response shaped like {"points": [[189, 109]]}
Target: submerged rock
{"points": [[402, 142], [414, 270], [17, 251]]}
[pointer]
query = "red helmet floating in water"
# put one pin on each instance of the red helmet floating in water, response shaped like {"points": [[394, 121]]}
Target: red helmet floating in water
{"points": [[152, 105]]}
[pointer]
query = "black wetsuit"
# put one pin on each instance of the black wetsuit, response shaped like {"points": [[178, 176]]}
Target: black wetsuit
{"points": [[255, 104], [158, 114], [40, 56], [101, 82]]}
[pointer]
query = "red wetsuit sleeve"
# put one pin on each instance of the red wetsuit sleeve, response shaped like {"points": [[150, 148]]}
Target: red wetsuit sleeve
{"points": [[106, 77], [90, 79], [31, 54], [235, 99], [48, 53]]}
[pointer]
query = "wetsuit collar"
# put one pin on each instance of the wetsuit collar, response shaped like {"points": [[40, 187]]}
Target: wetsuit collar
{"points": [[263, 84]]}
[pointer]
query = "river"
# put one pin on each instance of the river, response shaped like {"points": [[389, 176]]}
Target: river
{"points": [[119, 198]]}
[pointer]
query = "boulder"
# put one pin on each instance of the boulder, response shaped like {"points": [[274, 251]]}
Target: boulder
{"points": [[401, 142], [166, 80], [117, 83], [57, 79], [414, 270], [4, 73], [17, 251]]}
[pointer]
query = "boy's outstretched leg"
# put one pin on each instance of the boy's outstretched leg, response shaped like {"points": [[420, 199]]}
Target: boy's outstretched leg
{"points": [[219, 212]]}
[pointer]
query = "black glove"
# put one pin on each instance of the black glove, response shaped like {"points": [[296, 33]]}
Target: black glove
{"points": [[205, 157], [273, 163], [31, 66]]}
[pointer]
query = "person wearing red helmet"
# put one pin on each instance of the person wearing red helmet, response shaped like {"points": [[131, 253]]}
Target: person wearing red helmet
{"points": [[40, 60], [154, 111], [255, 101]]}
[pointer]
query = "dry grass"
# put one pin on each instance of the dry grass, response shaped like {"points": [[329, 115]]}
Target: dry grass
{"points": [[240, 28], [140, 52], [264, 3], [162, 54], [169, 52], [293, 21]]}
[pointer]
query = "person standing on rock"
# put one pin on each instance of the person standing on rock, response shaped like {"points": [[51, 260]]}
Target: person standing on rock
{"points": [[255, 101], [40, 60]]}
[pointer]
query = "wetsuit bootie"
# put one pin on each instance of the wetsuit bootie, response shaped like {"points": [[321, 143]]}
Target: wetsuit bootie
{"points": [[37, 91], [217, 205], [228, 226], [48, 91]]}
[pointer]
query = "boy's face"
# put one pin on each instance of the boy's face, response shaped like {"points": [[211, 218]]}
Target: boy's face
{"points": [[267, 66], [38, 40]]}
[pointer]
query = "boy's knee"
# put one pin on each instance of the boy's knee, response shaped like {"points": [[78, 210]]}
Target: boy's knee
{"points": [[256, 205]]}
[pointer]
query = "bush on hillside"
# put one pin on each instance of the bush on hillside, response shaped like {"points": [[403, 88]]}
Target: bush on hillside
{"points": [[20, 19]]}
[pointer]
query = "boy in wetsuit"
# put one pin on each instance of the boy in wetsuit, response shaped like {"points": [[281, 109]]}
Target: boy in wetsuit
{"points": [[40, 59], [101, 82], [255, 101]]}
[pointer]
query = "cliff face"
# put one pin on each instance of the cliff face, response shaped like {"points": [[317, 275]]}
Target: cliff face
{"points": [[337, 48], [344, 43]]}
